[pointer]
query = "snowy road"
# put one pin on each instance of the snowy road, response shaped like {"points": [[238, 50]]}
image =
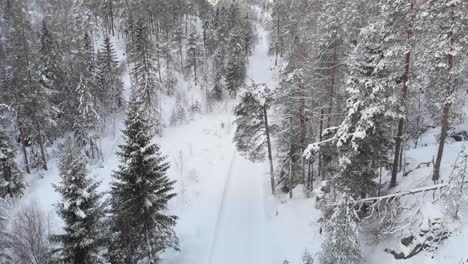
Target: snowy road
{"points": [[239, 233], [222, 195]]}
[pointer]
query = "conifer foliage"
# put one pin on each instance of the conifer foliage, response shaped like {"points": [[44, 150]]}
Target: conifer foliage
{"points": [[455, 193], [341, 245], [144, 72], [11, 176], [140, 194], [253, 133], [81, 210], [364, 135]]}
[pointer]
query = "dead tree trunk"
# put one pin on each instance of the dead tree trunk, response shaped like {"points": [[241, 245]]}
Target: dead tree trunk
{"points": [[270, 155]]}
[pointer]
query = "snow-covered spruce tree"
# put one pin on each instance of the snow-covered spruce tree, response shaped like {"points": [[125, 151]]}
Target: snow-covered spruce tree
{"points": [[11, 176], [443, 28], [87, 102], [220, 32], [140, 193], [236, 61], [110, 87], [86, 121], [145, 74], [194, 55], [364, 136], [455, 194], [24, 94], [279, 32], [341, 244], [292, 121], [399, 17], [52, 75], [338, 24], [80, 209], [253, 135]]}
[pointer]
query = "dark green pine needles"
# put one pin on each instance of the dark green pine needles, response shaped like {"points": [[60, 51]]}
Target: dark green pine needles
{"points": [[140, 194]]}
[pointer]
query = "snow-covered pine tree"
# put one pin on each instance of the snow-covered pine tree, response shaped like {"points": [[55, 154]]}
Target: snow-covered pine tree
{"points": [[248, 36], [145, 74], [455, 193], [236, 68], [341, 244], [399, 16], [27, 98], [443, 28], [88, 68], [253, 133], [86, 121], [88, 103], [219, 26], [279, 32], [80, 208], [140, 193], [11, 176], [52, 75], [194, 56], [110, 86], [293, 116], [364, 136]]}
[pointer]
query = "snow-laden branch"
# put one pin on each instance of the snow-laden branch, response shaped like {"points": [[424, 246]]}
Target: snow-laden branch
{"points": [[315, 147], [375, 200]]}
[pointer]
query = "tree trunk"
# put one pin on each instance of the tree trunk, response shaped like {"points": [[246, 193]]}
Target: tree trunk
{"points": [[443, 136], [319, 152], [43, 153], [332, 89], [445, 117], [291, 156], [195, 66], [399, 137], [181, 55], [310, 176], [25, 156], [303, 130], [277, 41], [112, 17], [270, 155]]}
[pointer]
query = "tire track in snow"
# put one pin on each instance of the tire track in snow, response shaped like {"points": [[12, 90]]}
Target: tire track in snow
{"points": [[221, 207]]}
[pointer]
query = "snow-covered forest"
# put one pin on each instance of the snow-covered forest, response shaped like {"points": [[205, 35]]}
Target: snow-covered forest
{"points": [[233, 131]]}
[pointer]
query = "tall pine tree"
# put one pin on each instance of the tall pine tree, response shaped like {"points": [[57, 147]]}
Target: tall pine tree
{"points": [[139, 197], [364, 137], [80, 209], [144, 73], [110, 87]]}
